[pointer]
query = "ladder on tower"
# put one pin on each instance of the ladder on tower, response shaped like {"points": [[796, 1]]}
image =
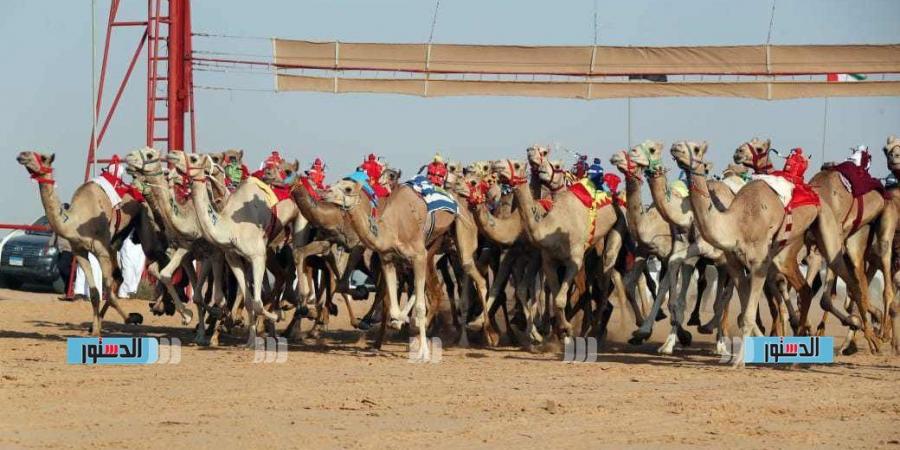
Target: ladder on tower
{"points": [[157, 78]]}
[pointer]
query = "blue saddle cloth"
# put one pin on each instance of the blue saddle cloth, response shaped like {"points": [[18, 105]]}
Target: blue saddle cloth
{"points": [[435, 198]]}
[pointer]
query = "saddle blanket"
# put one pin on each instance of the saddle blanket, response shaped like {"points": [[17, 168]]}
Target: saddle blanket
{"points": [[781, 186], [269, 195], [435, 198], [857, 179], [679, 189], [591, 197], [734, 183], [109, 190]]}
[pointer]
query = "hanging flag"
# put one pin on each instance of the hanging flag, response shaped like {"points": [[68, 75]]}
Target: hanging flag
{"points": [[840, 77], [654, 78]]}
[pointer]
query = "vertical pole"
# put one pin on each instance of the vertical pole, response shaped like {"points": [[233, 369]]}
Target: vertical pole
{"points": [[189, 71], [176, 82], [628, 122], [824, 128]]}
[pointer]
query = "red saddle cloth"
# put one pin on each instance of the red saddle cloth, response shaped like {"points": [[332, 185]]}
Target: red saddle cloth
{"points": [[310, 189], [861, 183], [281, 191], [547, 203], [122, 187], [794, 168]]}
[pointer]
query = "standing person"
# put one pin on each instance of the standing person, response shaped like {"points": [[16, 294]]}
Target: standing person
{"points": [[81, 289], [131, 261]]}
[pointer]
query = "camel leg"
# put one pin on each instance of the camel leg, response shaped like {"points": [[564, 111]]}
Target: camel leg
{"points": [[643, 333], [420, 267], [528, 297], [750, 304], [340, 267], [856, 251], [722, 278], [108, 266], [390, 280], [165, 276], [883, 249], [561, 297], [676, 312], [300, 255], [700, 268], [81, 256]]}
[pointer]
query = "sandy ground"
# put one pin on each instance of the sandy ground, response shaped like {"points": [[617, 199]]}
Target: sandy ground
{"points": [[340, 395]]}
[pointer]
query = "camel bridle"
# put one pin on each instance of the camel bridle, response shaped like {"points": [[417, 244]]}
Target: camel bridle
{"points": [[43, 171], [514, 178]]}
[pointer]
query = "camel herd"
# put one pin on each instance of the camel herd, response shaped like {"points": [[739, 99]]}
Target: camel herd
{"points": [[522, 228]]}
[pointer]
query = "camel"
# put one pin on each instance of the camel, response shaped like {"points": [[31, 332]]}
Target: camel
{"points": [[182, 231], [854, 215], [508, 233], [397, 236], [654, 233], [91, 224], [563, 237], [242, 230], [747, 230], [676, 210], [885, 239]]}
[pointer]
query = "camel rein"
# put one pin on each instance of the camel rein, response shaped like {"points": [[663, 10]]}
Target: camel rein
{"points": [[43, 171]]}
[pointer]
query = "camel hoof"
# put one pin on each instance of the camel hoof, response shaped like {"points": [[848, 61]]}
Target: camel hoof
{"points": [[705, 329], [669, 346], [643, 335], [476, 325], [660, 316], [186, 317], [694, 321], [684, 337], [366, 324], [849, 348], [134, 319], [396, 324], [332, 309], [636, 341], [216, 312]]}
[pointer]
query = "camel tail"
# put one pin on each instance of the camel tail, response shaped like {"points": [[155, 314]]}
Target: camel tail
{"points": [[828, 234]]}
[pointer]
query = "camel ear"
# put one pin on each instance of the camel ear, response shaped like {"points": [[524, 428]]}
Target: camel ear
{"points": [[51, 158], [296, 165], [241, 155], [703, 146], [891, 138], [768, 143]]}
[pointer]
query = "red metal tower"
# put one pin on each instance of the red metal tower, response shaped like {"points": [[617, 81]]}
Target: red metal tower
{"points": [[167, 36]]}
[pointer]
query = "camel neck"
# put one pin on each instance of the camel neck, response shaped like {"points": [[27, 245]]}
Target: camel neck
{"points": [[634, 209], [714, 226], [527, 210], [368, 228], [211, 223], [56, 215], [175, 217], [501, 230], [669, 208], [320, 214]]}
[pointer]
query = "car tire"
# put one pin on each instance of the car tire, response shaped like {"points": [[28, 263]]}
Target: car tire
{"points": [[12, 283], [59, 285]]}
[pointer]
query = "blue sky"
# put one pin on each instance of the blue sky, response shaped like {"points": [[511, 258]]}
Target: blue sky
{"points": [[46, 83]]}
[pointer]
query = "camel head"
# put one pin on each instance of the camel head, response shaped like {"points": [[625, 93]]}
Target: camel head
{"points": [[194, 165], [144, 160], [345, 193], [647, 156], [39, 165], [754, 154], [626, 164], [509, 171], [232, 155], [892, 153], [454, 172], [537, 154], [689, 156], [390, 177], [480, 168]]}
